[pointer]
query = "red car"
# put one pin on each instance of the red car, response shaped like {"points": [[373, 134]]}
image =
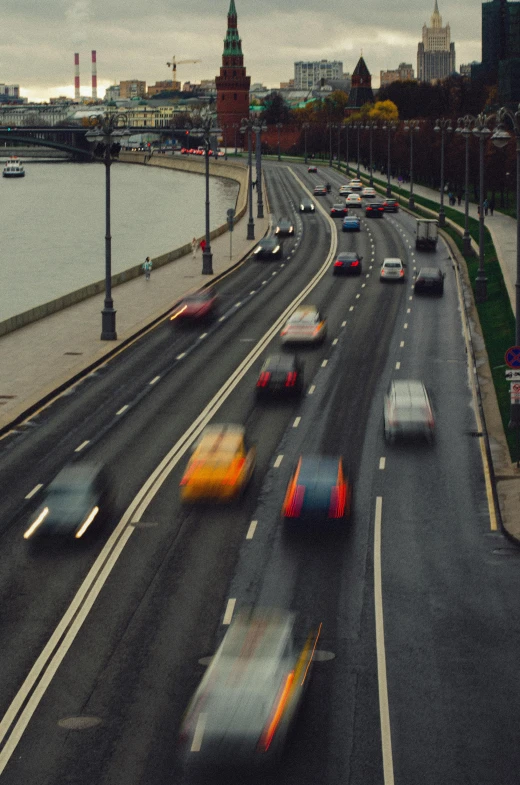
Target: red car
{"points": [[197, 306]]}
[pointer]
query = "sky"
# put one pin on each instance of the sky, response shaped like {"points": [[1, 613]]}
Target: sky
{"points": [[135, 39]]}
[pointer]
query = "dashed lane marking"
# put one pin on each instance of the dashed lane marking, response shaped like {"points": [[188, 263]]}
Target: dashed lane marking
{"points": [[122, 409], [343, 324], [397, 366], [183, 354], [279, 459], [228, 615], [334, 342], [34, 490], [296, 422], [382, 462], [324, 363], [311, 389], [401, 344], [82, 446], [154, 380], [251, 531]]}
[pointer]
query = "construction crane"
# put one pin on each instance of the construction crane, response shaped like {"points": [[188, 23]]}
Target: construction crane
{"points": [[173, 65]]}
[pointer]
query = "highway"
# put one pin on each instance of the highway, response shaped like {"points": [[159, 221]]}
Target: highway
{"points": [[416, 678]]}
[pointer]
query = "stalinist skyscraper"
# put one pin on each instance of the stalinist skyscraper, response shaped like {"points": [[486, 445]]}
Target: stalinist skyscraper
{"points": [[435, 54]]}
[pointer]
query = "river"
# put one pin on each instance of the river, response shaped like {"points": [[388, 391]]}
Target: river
{"points": [[53, 224]]}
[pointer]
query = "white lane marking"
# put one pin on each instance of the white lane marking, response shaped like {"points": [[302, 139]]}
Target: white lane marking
{"points": [[351, 308], [183, 354], [358, 296], [363, 284], [405, 326], [237, 305], [34, 490], [312, 388], [82, 446], [274, 273], [384, 712], [401, 344], [408, 310], [278, 461], [324, 363], [251, 530], [367, 275], [397, 366], [198, 734], [202, 336], [222, 318], [154, 380], [122, 409], [334, 342], [297, 421], [264, 282], [230, 607], [253, 291], [343, 324], [382, 462]]}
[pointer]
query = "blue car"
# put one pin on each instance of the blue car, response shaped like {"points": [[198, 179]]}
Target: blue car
{"points": [[351, 223]]}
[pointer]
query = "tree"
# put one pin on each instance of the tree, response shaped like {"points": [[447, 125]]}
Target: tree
{"points": [[383, 110], [276, 109]]}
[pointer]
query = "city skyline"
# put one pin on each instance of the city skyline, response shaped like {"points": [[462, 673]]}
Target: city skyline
{"points": [[41, 60]]}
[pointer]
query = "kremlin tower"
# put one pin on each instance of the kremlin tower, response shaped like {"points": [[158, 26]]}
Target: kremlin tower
{"points": [[361, 89], [232, 84]]}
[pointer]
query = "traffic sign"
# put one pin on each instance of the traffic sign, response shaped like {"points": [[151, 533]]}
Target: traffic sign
{"points": [[513, 375], [513, 357], [515, 392]]}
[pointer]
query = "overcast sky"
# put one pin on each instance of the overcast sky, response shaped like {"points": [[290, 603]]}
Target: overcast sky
{"points": [[134, 39]]}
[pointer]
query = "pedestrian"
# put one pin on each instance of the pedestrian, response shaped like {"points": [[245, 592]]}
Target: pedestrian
{"points": [[492, 204], [485, 205], [459, 198], [147, 267], [202, 245], [194, 247]]}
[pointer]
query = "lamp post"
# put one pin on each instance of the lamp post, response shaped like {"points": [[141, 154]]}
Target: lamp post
{"points": [[235, 127], [358, 125], [482, 133], [279, 126], [464, 127], [305, 127], [247, 126], [330, 126], [370, 125], [105, 134], [207, 131], [500, 138], [339, 126], [258, 128], [442, 126], [412, 126], [224, 129], [347, 168], [389, 127]]}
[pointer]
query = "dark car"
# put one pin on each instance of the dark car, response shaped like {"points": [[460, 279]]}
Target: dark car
{"points": [[284, 228], [429, 280], [269, 248], [338, 211], [78, 497], [374, 210], [197, 306], [347, 263], [307, 206], [391, 205], [281, 375], [351, 224], [312, 169], [318, 491], [320, 190]]}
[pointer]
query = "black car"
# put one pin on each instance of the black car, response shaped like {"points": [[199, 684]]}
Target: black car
{"points": [[307, 206], [269, 248], [348, 263], [338, 211], [79, 497], [391, 206], [429, 280], [374, 210], [284, 228], [281, 375], [320, 190]]}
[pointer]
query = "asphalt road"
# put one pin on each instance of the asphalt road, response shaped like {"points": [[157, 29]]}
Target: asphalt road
{"points": [[101, 643]]}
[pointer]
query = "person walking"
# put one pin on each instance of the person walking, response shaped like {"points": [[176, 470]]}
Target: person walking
{"points": [[194, 247], [147, 267], [459, 198], [485, 205], [492, 204], [202, 245]]}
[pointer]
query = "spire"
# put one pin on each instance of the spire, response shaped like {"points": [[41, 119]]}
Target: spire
{"points": [[233, 11], [436, 19], [232, 42]]}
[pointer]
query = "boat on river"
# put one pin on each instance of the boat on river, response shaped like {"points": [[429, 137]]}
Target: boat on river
{"points": [[13, 168]]}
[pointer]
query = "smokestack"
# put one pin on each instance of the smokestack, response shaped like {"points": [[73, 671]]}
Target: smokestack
{"points": [[94, 76], [76, 76]]}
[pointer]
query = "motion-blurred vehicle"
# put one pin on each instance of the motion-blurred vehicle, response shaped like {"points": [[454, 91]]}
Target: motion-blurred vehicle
{"points": [[79, 496], [392, 269], [306, 325], [284, 228], [407, 411], [320, 190], [351, 223], [197, 306], [338, 211], [281, 376], [269, 248], [356, 185], [353, 200], [368, 193], [391, 205], [429, 280], [307, 206], [347, 263], [312, 169], [242, 711], [318, 491], [374, 210], [220, 467]]}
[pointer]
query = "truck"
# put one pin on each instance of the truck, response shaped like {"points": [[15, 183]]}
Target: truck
{"points": [[426, 234]]}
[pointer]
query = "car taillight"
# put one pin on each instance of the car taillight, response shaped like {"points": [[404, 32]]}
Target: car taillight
{"points": [[354, 264], [338, 264], [382, 272], [277, 714], [189, 471], [295, 503], [291, 379], [401, 273], [338, 498], [263, 379]]}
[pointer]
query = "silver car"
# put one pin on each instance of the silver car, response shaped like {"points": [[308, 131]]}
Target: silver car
{"points": [[408, 412], [392, 269], [306, 325]]}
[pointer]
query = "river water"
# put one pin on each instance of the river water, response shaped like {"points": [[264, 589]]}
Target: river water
{"points": [[53, 224]]}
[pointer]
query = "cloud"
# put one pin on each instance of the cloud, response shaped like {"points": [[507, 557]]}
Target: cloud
{"points": [[77, 16]]}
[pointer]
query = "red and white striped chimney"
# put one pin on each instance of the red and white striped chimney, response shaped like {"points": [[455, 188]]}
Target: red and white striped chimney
{"points": [[94, 76], [76, 76]]}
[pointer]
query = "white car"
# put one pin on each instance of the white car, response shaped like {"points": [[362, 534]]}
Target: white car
{"points": [[408, 411], [345, 190], [353, 200], [392, 269], [306, 325], [356, 185], [369, 193]]}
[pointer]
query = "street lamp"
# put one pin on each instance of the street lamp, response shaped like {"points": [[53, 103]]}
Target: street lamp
{"points": [[339, 126], [208, 132], [247, 125], [482, 133], [442, 126], [388, 127], [347, 129], [258, 128], [500, 138], [412, 126], [105, 134], [370, 125], [235, 128], [330, 126], [358, 125], [464, 127], [305, 127], [279, 126], [224, 129]]}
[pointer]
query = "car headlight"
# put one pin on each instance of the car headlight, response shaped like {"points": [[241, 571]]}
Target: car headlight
{"points": [[302, 207], [257, 249], [275, 250]]}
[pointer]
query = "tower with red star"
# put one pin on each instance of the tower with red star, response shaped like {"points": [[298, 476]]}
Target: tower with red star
{"points": [[233, 83]]}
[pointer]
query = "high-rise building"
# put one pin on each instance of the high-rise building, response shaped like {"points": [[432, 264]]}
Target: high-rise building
{"points": [[232, 84], [308, 75], [132, 88], [500, 49], [436, 52], [361, 89], [404, 72]]}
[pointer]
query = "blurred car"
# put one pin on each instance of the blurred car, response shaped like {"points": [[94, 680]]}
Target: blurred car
{"points": [[356, 185], [220, 467], [345, 190], [284, 228], [307, 206], [338, 211], [429, 280], [312, 169], [408, 411], [306, 325], [281, 375], [79, 496], [368, 192], [374, 210], [351, 223], [320, 190], [353, 200], [241, 713], [269, 248], [318, 491], [391, 205], [392, 269], [197, 306], [347, 263]]}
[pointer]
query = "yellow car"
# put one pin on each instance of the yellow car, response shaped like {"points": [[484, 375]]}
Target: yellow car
{"points": [[220, 467]]}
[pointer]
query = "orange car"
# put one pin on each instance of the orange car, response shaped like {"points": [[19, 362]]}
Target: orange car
{"points": [[220, 467]]}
